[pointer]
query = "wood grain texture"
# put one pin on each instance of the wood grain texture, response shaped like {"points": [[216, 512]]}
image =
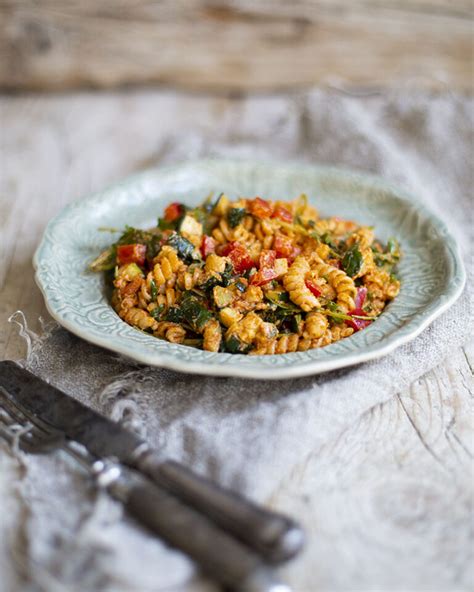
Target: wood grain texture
{"points": [[386, 503], [235, 45]]}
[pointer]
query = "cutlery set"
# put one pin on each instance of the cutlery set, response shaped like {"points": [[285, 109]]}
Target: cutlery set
{"points": [[233, 540]]}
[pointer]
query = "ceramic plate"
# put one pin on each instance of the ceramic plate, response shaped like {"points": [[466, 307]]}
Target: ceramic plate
{"points": [[431, 271]]}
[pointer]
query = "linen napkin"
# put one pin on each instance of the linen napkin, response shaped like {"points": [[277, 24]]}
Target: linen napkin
{"points": [[253, 436]]}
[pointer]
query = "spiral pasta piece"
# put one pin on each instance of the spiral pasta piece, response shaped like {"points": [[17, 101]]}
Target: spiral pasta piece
{"points": [[172, 332], [212, 336], [340, 281], [315, 325], [139, 318], [294, 282]]}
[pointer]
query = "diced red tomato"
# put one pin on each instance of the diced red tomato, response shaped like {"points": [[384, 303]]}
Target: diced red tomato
{"points": [[360, 297], [313, 287], [226, 249], [260, 208], [285, 248], [263, 276], [208, 245], [239, 256], [283, 214], [267, 259], [173, 211], [131, 254]]}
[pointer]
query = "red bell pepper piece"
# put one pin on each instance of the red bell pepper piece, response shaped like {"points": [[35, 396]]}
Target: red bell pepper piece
{"points": [[226, 249], [285, 248], [283, 214], [263, 276], [239, 256], [131, 254], [260, 208], [208, 245], [174, 211], [313, 287], [267, 259]]}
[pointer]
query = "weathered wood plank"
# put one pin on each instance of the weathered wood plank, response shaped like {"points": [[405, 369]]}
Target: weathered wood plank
{"points": [[235, 45]]}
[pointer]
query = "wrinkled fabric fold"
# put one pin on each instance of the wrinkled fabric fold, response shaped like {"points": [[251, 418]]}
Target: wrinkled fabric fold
{"points": [[248, 435]]}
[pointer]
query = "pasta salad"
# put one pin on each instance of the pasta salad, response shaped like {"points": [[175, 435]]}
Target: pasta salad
{"points": [[250, 276]]}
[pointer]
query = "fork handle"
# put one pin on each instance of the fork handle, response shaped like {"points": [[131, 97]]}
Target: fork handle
{"points": [[274, 536], [223, 558]]}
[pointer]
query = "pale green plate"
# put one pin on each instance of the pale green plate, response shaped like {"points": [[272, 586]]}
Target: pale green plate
{"points": [[431, 270]]}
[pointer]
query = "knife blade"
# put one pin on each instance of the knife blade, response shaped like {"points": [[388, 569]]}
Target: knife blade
{"points": [[275, 536]]}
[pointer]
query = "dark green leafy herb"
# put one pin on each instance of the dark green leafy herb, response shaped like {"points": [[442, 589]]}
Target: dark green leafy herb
{"points": [[326, 239], [299, 221], [153, 290], [295, 323], [174, 314], [389, 257], [194, 312], [235, 216], [339, 316], [183, 247], [334, 311], [281, 300], [165, 225], [352, 261], [156, 312], [105, 261], [393, 247], [219, 279], [131, 235]]}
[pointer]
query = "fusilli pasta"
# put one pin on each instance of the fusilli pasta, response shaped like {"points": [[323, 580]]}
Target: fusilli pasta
{"points": [[251, 276]]}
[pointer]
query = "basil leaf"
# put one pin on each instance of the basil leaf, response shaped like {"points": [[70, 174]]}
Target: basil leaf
{"points": [[352, 261], [105, 261], [153, 290], [220, 279], [235, 216], [174, 315], [393, 247], [156, 312]]}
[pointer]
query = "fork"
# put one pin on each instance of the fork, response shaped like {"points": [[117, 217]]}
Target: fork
{"points": [[223, 558]]}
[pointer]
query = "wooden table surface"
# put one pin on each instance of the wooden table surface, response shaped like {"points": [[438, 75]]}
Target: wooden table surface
{"points": [[235, 44], [56, 149]]}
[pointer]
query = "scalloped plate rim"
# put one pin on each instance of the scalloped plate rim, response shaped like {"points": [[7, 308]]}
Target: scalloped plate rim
{"points": [[173, 362]]}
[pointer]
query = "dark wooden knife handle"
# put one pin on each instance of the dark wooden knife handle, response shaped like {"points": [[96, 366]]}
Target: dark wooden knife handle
{"points": [[276, 537], [218, 554]]}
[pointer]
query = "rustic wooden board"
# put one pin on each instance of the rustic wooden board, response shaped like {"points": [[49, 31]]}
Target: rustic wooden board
{"points": [[235, 45]]}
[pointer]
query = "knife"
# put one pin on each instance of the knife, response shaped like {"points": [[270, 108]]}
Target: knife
{"points": [[276, 537]]}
